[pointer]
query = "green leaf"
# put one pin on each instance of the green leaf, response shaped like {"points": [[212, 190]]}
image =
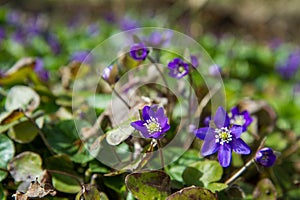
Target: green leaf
{"points": [[265, 190], [22, 97], [96, 167], [192, 176], [216, 186], [64, 139], [99, 101], [64, 183], [212, 170], [192, 193], [176, 172], [90, 192], [26, 166], [23, 132], [7, 151], [118, 135], [148, 185], [2, 195]]}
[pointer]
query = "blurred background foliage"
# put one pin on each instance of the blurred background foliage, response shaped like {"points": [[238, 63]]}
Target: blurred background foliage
{"points": [[255, 44]]}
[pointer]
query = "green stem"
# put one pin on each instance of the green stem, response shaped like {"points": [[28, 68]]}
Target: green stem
{"points": [[160, 154]]}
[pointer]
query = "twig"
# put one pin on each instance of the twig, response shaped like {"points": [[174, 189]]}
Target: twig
{"points": [[4, 170], [205, 100], [159, 71], [40, 132], [77, 178], [249, 163], [120, 97]]}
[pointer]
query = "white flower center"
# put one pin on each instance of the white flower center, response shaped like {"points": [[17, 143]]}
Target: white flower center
{"points": [[223, 135], [238, 120], [152, 125]]}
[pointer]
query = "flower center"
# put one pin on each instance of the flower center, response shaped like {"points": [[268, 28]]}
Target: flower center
{"points": [[181, 69], [223, 135], [238, 120], [152, 125]]}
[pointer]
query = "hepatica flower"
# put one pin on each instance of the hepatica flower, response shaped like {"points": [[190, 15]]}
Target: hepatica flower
{"points": [[288, 69], [138, 51], [40, 70], [240, 118], [82, 57], [222, 139], [154, 123], [178, 68], [265, 157]]}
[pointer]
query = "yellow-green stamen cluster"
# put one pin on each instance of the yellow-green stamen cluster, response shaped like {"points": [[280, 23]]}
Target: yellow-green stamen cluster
{"points": [[223, 135], [238, 120], [152, 125]]}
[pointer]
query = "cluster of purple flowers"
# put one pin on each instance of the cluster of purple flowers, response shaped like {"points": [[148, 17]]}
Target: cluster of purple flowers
{"points": [[225, 138]]}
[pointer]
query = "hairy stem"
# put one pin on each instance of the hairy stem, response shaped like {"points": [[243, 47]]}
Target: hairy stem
{"points": [[160, 153]]}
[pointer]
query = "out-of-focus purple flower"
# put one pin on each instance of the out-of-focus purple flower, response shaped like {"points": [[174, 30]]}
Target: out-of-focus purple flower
{"points": [[34, 26], [275, 43], [93, 30], [13, 17], [82, 57], [178, 68], [154, 123], [127, 24], [19, 36], [214, 70], [159, 38], [240, 118], [53, 43], [106, 72], [291, 65], [138, 51], [265, 157], [224, 138], [207, 120], [2, 34], [194, 61], [110, 17], [40, 70]]}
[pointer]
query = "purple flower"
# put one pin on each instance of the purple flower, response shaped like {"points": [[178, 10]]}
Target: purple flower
{"points": [[194, 61], [138, 51], [207, 120], [154, 123], [178, 68], [214, 70], [240, 118], [13, 17], [158, 38], [2, 34], [128, 24], [106, 72], [19, 36], [265, 157], [291, 65], [93, 30], [224, 138], [53, 43], [82, 57], [40, 70]]}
